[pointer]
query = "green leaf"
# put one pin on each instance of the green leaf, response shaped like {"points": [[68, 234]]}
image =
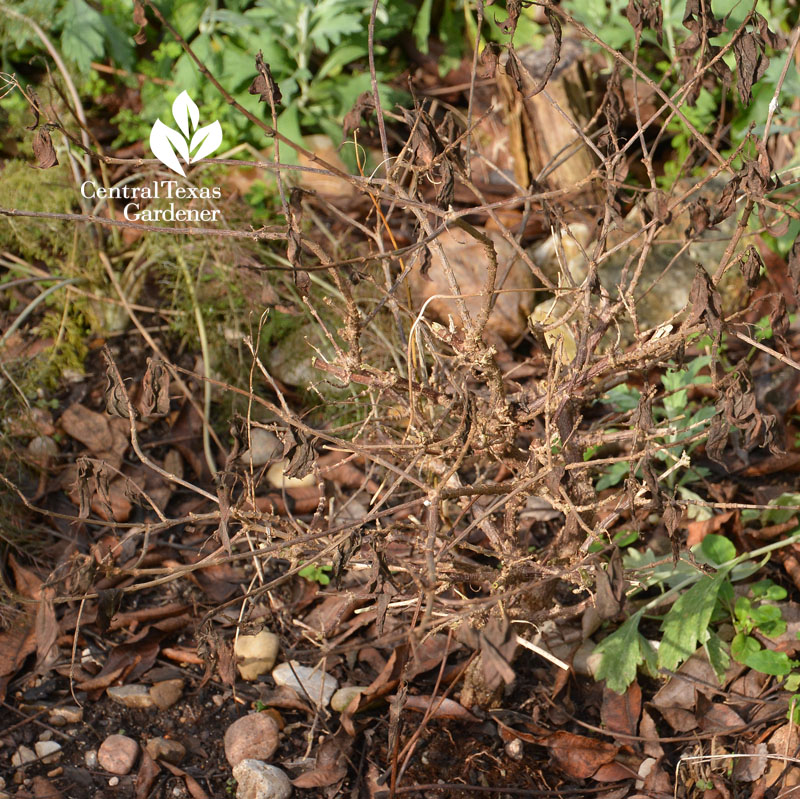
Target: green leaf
{"points": [[767, 661], [82, 33], [686, 624], [613, 475], [620, 654], [422, 26], [622, 397], [717, 549], [717, 657], [767, 589]]}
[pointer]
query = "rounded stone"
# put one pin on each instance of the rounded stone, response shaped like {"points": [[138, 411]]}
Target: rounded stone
{"points": [[133, 696], [257, 780], [166, 693], [310, 684], [117, 754], [342, 698], [256, 654], [48, 752], [253, 737]]}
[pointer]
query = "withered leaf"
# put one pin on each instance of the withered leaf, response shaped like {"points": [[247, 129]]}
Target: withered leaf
{"points": [[645, 12], [117, 401], [672, 515], [140, 19], [155, 389], [83, 476], [793, 265], [43, 149], [779, 319], [554, 56], [146, 777], [446, 191], [509, 25], [362, 110], [610, 586], [699, 217], [726, 204], [705, 302], [717, 439], [264, 84], [513, 68], [302, 462], [34, 104], [440, 708], [108, 603], [490, 55], [751, 64], [750, 266], [46, 630], [102, 490], [620, 712], [302, 281], [578, 755], [775, 40]]}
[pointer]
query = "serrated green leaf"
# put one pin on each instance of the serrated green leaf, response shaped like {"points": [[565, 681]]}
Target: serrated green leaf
{"points": [[621, 653], [718, 657], [82, 33], [686, 624]]}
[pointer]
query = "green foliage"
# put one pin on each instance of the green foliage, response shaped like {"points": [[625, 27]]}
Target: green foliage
{"points": [[621, 654], [703, 601], [676, 415], [316, 573]]}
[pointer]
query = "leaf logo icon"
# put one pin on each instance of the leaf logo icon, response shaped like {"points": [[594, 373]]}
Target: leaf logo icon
{"points": [[167, 143]]}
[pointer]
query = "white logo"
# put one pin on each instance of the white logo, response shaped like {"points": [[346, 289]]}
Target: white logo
{"points": [[165, 141]]}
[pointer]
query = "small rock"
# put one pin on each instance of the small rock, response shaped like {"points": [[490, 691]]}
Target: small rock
{"points": [[309, 683], [514, 749], [257, 780], [254, 736], [218, 700], [46, 735], [117, 754], [48, 751], [44, 789], [22, 756], [256, 654], [277, 478], [165, 749], [90, 758], [113, 782], [61, 716], [56, 772], [42, 450], [134, 696], [166, 693], [342, 698], [265, 446]]}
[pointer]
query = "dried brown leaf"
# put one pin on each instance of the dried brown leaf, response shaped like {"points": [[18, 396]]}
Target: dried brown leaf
{"points": [[154, 400], [620, 712], [441, 708], [140, 19], [577, 755], [146, 776], [16, 643], [43, 149], [264, 84]]}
